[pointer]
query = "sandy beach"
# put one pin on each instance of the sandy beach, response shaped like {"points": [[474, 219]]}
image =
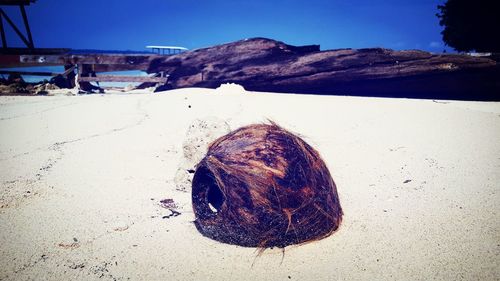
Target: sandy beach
{"points": [[82, 178]]}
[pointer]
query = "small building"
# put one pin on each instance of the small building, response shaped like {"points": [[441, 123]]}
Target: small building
{"points": [[167, 50]]}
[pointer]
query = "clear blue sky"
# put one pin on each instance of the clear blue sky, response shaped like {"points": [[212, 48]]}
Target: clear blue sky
{"points": [[130, 25]]}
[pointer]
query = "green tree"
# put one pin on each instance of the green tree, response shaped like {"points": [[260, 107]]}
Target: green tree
{"points": [[471, 25]]}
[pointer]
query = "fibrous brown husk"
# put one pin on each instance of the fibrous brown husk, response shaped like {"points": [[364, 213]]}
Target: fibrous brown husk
{"points": [[262, 186]]}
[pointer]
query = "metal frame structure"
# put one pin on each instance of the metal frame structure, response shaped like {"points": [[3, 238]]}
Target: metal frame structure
{"points": [[21, 3], [85, 65]]}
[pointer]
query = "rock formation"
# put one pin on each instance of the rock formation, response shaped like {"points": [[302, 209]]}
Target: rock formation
{"points": [[261, 64]]}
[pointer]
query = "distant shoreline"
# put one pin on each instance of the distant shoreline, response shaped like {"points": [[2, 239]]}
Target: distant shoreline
{"points": [[97, 51]]}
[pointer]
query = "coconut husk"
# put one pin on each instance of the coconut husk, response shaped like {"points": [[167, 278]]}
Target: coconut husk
{"points": [[262, 186]]}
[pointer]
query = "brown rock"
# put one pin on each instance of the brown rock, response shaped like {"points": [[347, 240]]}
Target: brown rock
{"points": [[261, 64]]}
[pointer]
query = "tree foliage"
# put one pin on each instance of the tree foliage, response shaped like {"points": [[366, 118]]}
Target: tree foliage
{"points": [[471, 25]]}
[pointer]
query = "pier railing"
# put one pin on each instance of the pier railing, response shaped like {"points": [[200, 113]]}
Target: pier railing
{"points": [[89, 67]]}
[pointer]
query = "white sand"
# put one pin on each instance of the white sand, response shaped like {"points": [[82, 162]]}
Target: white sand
{"points": [[96, 167]]}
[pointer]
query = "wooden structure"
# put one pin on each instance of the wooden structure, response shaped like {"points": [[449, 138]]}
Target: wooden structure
{"points": [[79, 68], [87, 66], [3, 15], [39, 73]]}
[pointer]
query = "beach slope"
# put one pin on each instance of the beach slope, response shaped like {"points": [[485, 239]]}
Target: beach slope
{"points": [[97, 187]]}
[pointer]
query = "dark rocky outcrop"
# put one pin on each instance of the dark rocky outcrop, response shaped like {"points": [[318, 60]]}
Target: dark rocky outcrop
{"points": [[261, 64]]}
